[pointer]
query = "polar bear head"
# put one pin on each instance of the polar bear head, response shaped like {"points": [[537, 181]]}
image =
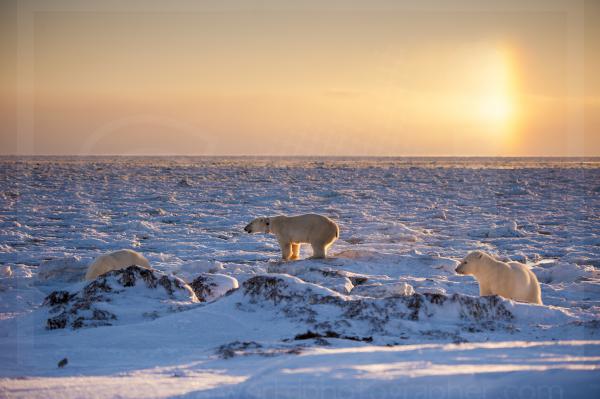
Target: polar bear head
{"points": [[471, 262], [259, 225]]}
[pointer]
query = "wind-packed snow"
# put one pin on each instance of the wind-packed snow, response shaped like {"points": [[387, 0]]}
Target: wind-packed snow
{"points": [[221, 316]]}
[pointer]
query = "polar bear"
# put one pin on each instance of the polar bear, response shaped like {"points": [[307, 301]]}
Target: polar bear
{"points": [[291, 231], [511, 280], [114, 261]]}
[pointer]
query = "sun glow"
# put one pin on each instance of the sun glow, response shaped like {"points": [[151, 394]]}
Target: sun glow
{"points": [[496, 109], [496, 103]]}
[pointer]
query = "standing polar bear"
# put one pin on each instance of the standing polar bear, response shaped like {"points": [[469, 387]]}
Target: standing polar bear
{"points": [[291, 231], [511, 280], [115, 261]]}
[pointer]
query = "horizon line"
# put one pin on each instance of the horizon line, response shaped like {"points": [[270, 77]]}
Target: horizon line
{"points": [[295, 156]]}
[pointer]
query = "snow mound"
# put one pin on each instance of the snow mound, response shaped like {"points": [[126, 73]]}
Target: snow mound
{"points": [[68, 270], [384, 319], [337, 280], [209, 287], [384, 290], [394, 232], [498, 231], [122, 296], [435, 213], [188, 271], [6, 271], [515, 189], [561, 272], [355, 254], [155, 212]]}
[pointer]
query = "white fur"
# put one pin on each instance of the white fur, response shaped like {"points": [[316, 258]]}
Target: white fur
{"points": [[114, 261], [291, 231], [511, 280]]}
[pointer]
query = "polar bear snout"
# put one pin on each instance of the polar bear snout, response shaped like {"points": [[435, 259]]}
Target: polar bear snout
{"points": [[460, 269], [258, 225], [465, 267]]}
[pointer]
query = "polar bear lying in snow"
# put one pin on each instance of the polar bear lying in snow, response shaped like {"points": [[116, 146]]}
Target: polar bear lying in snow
{"points": [[114, 261], [291, 231], [511, 280]]}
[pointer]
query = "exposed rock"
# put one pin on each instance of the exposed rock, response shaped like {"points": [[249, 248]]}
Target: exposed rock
{"points": [[118, 296], [184, 182], [209, 287]]}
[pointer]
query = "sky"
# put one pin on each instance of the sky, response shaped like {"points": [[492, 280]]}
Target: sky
{"points": [[354, 78]]}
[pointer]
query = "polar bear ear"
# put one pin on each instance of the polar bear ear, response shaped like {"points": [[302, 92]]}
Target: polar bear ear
{"points": [[480, 255]]}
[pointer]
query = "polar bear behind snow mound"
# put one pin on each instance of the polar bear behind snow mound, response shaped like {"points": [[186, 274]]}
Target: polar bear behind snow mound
{"points": [[291, 231], [511, 280], [114, 261]]}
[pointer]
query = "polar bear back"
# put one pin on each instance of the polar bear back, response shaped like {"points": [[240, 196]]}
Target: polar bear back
{"points": [[520, 284], [114, 261], [309, 228]]}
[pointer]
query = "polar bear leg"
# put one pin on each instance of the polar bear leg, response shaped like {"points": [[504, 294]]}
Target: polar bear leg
{"points": [[286, 250], [319, 250], [484, 290], [295, 251]]}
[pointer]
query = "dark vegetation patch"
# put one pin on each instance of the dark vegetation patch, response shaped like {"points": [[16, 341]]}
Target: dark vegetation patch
{"points": [[83, 308], [203, 287], [248, 348], [330, 334], [304, 303]]}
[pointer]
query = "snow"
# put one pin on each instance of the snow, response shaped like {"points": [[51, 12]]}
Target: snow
{"points": [[69, 269], [384, 316]]}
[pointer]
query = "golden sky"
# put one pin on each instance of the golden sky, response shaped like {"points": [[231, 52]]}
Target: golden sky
{"points": [[464, 78]]}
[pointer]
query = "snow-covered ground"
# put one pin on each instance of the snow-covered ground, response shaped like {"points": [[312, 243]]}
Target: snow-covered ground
{"points": [[386, 316]]}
